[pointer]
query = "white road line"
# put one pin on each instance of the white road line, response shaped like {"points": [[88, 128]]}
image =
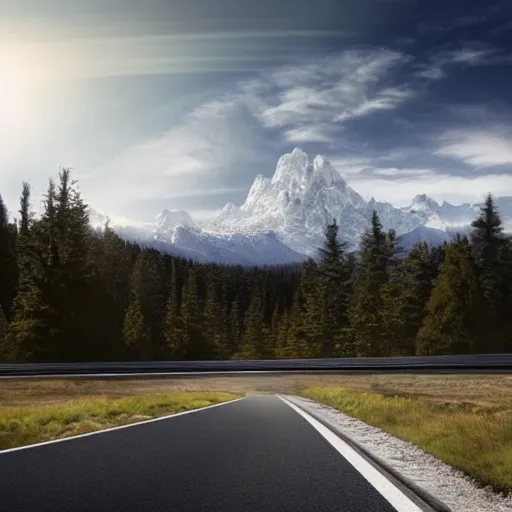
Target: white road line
{"points": [[169, 416], [389, 491]]}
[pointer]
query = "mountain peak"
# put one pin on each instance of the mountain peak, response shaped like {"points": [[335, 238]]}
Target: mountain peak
{"points": [[322, 167], [168, 220], [292, 170], [422, 202]]}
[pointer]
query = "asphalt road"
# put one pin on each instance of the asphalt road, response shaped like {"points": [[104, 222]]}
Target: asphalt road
{"points": [[256, 454]]}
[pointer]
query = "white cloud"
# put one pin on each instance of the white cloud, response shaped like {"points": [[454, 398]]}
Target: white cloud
{"points": [[477, 147], [433, 72], [309, 134], [187, 161], [442, 187], [310, 102], [307, 103], [472, 54], [351, 165], [466, 55]]}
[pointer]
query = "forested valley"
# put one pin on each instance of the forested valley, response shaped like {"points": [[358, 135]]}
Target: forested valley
{"points": [[69, 293]]}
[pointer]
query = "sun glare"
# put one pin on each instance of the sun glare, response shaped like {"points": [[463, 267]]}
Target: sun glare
{"points": [[16, 97]]}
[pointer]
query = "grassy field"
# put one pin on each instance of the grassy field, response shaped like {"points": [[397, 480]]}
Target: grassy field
{"points": [[26, 424], [478, 391], [473, 434], [465, 420]]}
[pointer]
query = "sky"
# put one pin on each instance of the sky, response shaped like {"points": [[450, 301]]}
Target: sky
{"points": [[179, 104]]}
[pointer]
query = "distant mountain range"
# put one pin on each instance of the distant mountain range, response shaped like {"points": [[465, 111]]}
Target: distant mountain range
{"points": [[284, 217]]}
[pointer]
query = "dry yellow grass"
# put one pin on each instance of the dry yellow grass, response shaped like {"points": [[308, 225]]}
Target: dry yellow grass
{"points": [[474, 435], [478, 391], [22, 425]]}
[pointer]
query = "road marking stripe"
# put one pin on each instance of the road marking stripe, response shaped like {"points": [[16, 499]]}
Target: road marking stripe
{"points": [[389, 491], [87, 434]]}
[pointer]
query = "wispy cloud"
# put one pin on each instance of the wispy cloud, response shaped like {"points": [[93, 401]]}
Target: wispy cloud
{"points": [[478, 148], [471, 55], [313, 100], [468, 54], [187, 161], [432, 72], [442, 187]]}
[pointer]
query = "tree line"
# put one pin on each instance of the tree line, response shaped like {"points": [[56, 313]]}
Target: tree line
{"points": [[69, 293]]}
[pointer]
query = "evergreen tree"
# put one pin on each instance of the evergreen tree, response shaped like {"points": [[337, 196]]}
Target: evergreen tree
{"points": [[192, 317], [366, 313], [148, 294], [8, 265], [5, 349], [406, 296], [136, 333], [108, 294], [334, 282], [453, 321], [63, 235], [235, 326], [150, 286], [27, 332], [216, 323], [488, 248], [255, 336], [307, 326], [174, 329]]}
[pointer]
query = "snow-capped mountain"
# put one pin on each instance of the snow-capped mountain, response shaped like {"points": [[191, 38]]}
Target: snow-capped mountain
{"points": [[167, 221], [442, 216], [284, 217], [301, 198]]}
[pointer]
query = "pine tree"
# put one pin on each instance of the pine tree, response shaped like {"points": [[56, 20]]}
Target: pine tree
{"points": [[335, 282], [406, 296], [28, 329], [235, 327], [108, 294], [366, 313], [8, 265], [488, 248], [174, 329], [216, 323], [284, 348], [255, 335], [148, 294], [5, 349], [307, 318], [192, 317], [136, 333], [506, 259], [453, 321]]}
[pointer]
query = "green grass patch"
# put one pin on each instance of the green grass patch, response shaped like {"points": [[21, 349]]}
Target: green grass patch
{"points": [[20, 426], [477, 442]]}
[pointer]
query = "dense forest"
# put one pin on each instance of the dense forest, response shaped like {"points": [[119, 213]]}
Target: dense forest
{"points": [[68, 293]]}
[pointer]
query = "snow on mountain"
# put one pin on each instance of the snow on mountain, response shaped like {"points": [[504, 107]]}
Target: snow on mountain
{"points": [[284, 217], [260, 249], [168, 220], [442, 216], [301, 198]]}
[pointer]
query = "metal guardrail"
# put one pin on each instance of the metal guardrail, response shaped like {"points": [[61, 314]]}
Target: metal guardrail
{"points": [[455, 364]]}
